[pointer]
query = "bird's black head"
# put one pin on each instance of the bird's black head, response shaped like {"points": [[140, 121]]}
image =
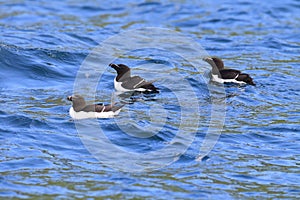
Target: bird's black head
{"points": [[245, 78], [120, 68], [215, 61], [123, 71], [78, 102], [69, 98]]}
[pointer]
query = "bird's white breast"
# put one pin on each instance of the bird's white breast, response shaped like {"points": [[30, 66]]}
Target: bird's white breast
{"points": [[86, 115], [118, 86]]}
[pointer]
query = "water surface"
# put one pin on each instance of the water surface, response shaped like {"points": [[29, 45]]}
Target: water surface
{"points": [[42, 47]]}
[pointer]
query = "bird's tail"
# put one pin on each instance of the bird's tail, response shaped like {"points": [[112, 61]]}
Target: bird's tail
{"points": [[116, 107], [246, 78]]}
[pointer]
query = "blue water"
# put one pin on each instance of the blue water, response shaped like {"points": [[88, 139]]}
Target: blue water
{"points": [[43, 46]]}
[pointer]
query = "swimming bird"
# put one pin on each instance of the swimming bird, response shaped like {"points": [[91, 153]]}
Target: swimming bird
{"points": [[221, 75], [80, 110], [124, 82]]}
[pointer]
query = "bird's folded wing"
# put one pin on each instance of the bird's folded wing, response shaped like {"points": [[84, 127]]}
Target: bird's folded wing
{"points": [[101, 108], [91, 108], [229, 73], [134, 82], [243, 77]]}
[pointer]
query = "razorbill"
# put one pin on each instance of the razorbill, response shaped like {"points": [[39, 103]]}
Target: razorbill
{"points": [[221, 75], [80, 110], [124, 82]]}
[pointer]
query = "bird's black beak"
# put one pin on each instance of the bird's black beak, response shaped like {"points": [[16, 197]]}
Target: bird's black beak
{"points": [[207, 59], [69, 98], [112, 65]]}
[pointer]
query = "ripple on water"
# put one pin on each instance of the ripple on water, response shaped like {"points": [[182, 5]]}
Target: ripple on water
{"points": [[42, 46]]}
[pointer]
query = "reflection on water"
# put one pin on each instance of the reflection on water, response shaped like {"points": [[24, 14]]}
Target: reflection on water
{"points": [[44, 153]]}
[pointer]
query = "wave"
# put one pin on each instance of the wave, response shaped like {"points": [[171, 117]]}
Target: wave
{"points": [[36, 67]]}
